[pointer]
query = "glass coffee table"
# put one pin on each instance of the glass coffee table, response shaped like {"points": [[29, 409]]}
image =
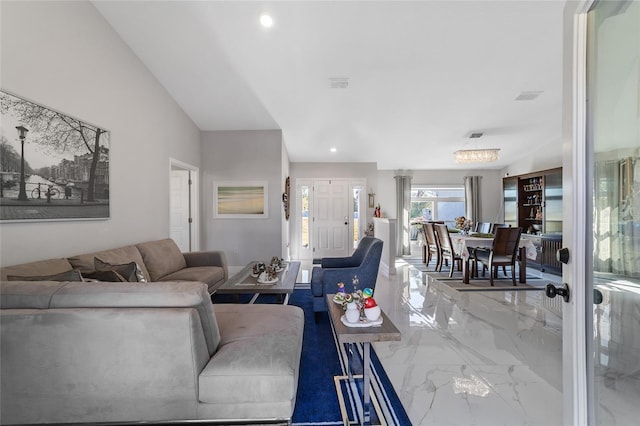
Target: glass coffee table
{"points": [[244, 283]]}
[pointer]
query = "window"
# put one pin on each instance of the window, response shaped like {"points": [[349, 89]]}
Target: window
{"points": [[357, 191], [304, 216], [437, 203]]}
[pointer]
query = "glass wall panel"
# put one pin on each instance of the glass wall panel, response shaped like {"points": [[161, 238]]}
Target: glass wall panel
{"points": [[613, 108]]}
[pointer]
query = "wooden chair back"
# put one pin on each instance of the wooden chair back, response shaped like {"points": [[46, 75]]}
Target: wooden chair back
{"points": [[494, 226], [483, 227], [444, 239], [505, 242], [430, 234]]}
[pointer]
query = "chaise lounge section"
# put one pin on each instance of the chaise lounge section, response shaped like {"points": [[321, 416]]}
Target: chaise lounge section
{"points": [[129, 352]]}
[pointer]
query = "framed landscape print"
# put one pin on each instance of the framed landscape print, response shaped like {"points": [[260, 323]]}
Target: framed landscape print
{"points": [[240, 200], [52, 166]]}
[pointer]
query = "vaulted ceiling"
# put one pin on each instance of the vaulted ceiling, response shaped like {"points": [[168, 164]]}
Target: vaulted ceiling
{"points": [[420, 76]]}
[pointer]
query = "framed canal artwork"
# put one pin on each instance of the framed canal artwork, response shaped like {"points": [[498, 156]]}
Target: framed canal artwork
{"points": [[52, 166], [240, 200]]}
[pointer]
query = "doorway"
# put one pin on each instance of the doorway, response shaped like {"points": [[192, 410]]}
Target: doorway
{"points": [[328, 217], [183, 205]]}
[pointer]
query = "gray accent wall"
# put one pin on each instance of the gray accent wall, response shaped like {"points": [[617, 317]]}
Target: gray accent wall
{"points": [[65, 56], [244, 155]]}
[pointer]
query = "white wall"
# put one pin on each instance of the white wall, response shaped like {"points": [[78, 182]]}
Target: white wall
{"points": [[65, 56], [286, 224], [542, 157], [490, 188], [243, 156]]}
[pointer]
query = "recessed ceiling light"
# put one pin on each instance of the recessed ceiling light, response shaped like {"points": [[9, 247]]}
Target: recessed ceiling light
{"points": [[333, 150], [266, 20]]}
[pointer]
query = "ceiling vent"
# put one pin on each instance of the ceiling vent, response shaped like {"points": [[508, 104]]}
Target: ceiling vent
{"points": [[475, 135], [338, 83], [528, 96]]}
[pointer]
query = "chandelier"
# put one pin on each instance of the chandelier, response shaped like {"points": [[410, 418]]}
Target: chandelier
{"points": [[476, 155]]}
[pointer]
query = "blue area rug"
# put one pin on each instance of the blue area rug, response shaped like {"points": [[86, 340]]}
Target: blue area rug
{"points": [[317, 399]]}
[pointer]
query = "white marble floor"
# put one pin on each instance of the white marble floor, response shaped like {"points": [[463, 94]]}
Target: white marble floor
{"points": [[472, 358]]}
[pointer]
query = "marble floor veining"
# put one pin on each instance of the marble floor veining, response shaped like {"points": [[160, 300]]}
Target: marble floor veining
{"points": [[472, 358]]}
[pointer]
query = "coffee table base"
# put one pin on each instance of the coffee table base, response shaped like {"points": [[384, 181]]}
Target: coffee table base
{"points": [[350, 382]]}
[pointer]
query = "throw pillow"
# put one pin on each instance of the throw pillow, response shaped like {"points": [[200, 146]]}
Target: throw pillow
{"points": [[129, 271], [72, 275], [108, 276]]}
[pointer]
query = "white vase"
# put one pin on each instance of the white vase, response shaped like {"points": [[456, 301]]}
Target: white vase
{"points": [[373, 313], [352, 314]]}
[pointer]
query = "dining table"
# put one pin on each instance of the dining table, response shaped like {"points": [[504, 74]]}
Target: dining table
{"points": [[462, 243]]}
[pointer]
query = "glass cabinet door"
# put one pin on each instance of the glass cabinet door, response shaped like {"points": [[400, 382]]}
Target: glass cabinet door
{"points": [[510, 197], [553, 203]]}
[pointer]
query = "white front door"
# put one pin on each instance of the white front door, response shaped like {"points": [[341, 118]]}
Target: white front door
{"points": [[331, 218], [601, 321]]}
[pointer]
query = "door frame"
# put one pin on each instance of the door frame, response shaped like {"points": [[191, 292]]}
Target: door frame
{"points": [[577, 395], [194, 198], [307, 254]]}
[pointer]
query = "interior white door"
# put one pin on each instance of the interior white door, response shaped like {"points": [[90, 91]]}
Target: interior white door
{"points": [[330, 218], [601, 326], [179, 201]]}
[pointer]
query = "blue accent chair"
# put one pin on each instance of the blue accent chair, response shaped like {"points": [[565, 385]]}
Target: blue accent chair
{"points": [[364, 263]]}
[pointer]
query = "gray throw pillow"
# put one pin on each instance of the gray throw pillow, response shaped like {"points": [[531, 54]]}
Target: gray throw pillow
{"points": [[131, 272], [108, 276], [72, 275]]}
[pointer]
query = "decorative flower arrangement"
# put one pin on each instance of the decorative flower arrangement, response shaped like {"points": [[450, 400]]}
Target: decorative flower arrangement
{"points": [[360, 301], [463, 224]]}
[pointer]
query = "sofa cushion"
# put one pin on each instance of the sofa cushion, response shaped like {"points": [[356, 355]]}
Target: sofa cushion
{"points": [[161, 257], [41, 267], [129, 271], [85, 262], [108, 276], [206, 274], [72, 275], [139, 295], [258, 356], [28, 294]]}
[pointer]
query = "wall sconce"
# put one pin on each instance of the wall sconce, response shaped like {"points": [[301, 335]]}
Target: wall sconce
{"points": [[372, 199]]}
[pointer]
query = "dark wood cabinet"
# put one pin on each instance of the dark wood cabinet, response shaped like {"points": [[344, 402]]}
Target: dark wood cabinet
{"points": [[533, 201]]}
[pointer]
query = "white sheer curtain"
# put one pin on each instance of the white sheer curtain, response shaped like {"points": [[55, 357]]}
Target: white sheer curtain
{"points": [[616, 201], [403, 206], [473, 206]]}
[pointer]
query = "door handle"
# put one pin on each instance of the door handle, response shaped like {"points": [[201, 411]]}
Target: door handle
{"points": [[346, 220], [562, 255], [552, 291], [597, 296]]}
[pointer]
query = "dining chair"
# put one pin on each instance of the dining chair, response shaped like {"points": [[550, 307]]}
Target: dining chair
{"points": [[497, 225], [446, 248], [503, 252], [431, 245], [483, 227], [494, 226]]}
